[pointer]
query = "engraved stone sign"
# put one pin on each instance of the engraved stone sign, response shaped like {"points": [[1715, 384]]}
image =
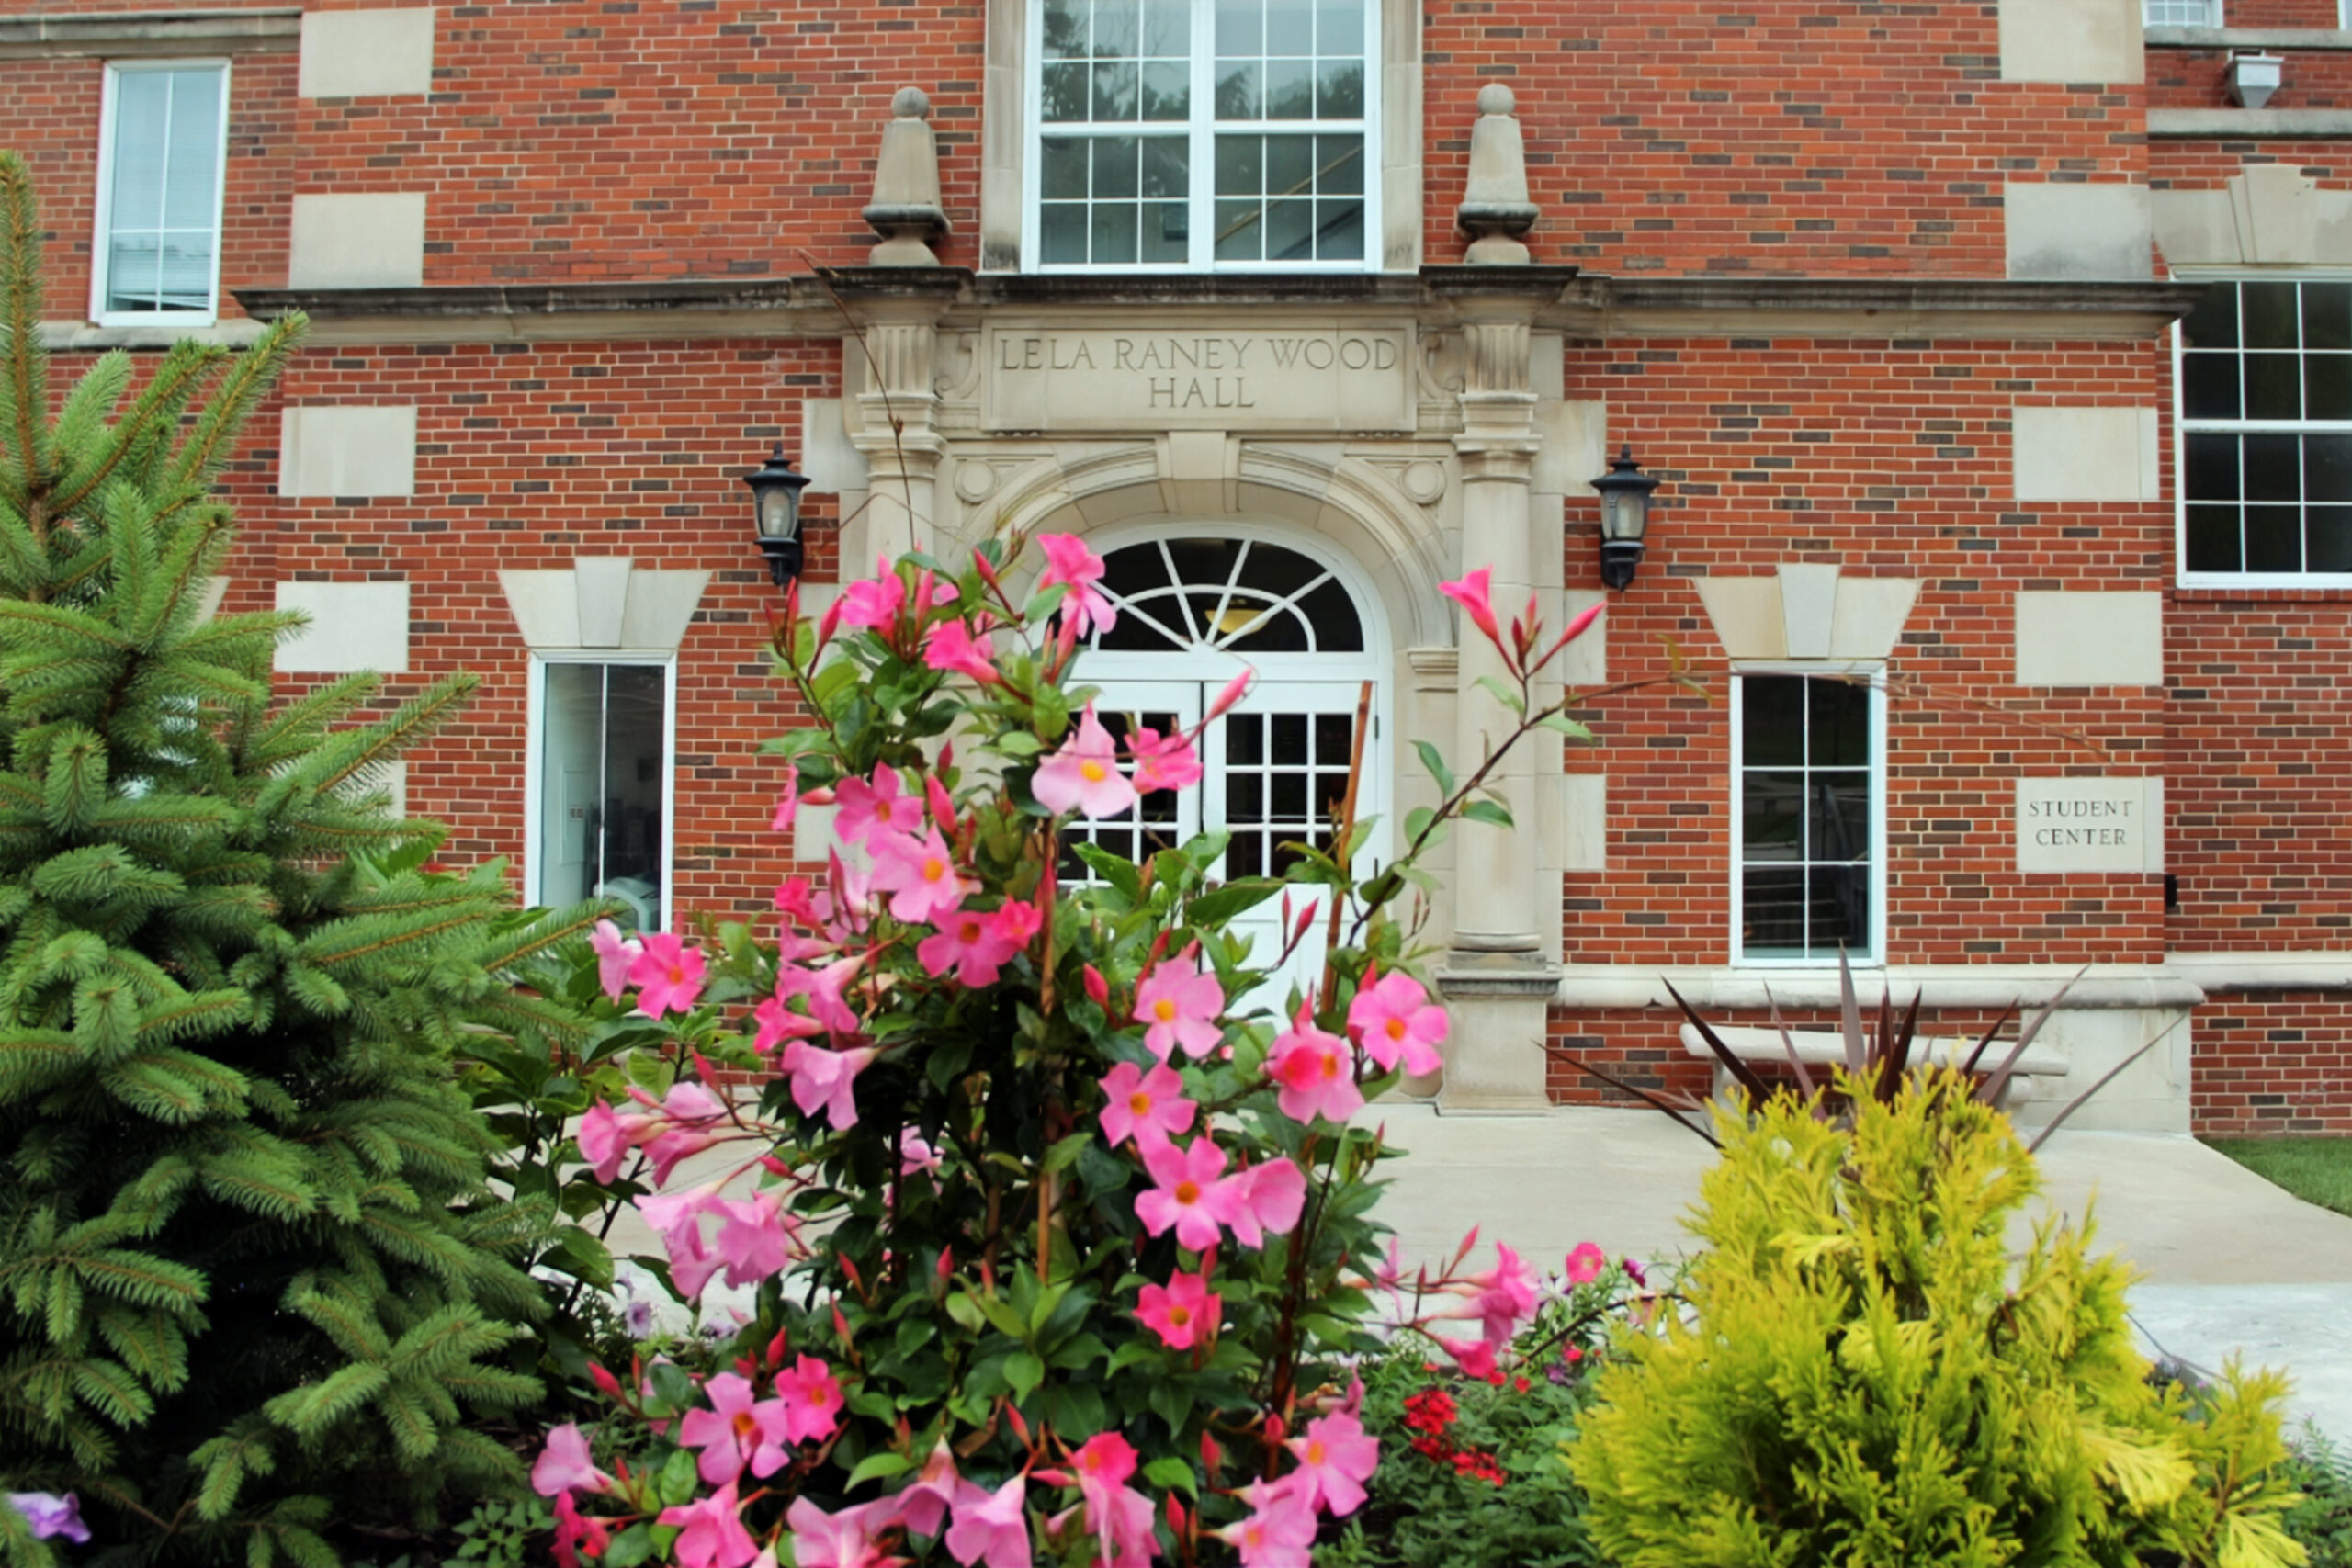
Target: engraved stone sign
{"points": [[1316, 377], [2091, 825]]}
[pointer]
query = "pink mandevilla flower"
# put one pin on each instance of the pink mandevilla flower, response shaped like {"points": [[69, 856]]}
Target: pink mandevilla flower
{"points": [[1393, 1018], [1192, 1194], [1178, 1003], [875, 603], [1335, 1458], [922, 1503], [604, 1141], [1084, 777], [564, 1465], [1272, 1196], [787, 805], [812, 1399], [1171, 763], [667, 975], [1477, 599], [954, 648], [712, 1537], [919, 875], [1316, 1072], [863, 809], [1183, 1313], [737, 1430], [615, 956], [840, 1541], [978, 945], [1506, 1296], [574, 1532], [676, 1218], [1586, 1263], [1070, 564], [916, 1158], [1146, 1106], [1278, 1530], [686, 1122], [827, 1078], [990, 1528]]}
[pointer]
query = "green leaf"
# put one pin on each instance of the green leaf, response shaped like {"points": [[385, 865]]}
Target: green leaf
{"points": [[1220, 905], [879, 1467], [966, 1312], [1490, 812], [1503, 694], [1171, 1474], [1065, 1152], [1561, 723], [1024, 1371], [1436, 765], [630, 1549]]}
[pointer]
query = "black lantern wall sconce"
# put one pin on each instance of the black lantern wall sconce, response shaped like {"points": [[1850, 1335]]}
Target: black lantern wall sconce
{"points": [[1624, 516], [775, 515]]}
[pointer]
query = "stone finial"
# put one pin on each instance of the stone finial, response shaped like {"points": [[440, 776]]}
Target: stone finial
{"points": [[906, 212], [1495, 210]]}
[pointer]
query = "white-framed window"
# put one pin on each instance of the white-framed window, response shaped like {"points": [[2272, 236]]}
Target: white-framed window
{"points": [[162, 145], [1809, 814], [602, 741], [1206, 134], [2181, 13], [2263, 373]]}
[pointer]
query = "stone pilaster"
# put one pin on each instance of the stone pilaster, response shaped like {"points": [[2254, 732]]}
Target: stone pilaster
{"points": [[889, 376]]}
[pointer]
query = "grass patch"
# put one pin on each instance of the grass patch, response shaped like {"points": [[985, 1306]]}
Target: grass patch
{"points": [[2317, 1170]]}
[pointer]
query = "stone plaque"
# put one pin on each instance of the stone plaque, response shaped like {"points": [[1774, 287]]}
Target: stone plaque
{"points": [[2114, 825], [1316, 377]]}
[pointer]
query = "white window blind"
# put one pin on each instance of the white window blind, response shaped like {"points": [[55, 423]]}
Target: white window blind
{"points": [[163, 141]]}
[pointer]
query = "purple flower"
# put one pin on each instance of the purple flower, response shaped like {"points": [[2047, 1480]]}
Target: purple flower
{"points": [[51, 1514], [638, 1318]]}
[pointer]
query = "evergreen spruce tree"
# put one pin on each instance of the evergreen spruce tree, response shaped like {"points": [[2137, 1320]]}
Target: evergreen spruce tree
{"points": [[253, 1287]]}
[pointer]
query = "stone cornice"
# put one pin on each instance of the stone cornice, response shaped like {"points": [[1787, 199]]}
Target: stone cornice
{"points": [[2250, 125], [152, 34], [1582, 305], [2249, 38]]}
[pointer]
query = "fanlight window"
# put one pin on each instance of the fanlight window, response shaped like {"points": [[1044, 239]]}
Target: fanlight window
{"points": [[1239, 596]]}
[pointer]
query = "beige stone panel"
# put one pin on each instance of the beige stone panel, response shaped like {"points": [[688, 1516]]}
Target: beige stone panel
{"points": [[354, 626], [2194, 228], [2076, 233], [2274, 210], [600, 590], [2150, 1096], [2071, 41], [2332, 230], [366, 54], [1746, 614], [1583, 836], [347, 450], [1400, 135], [372, 241], [2090, 638], [387, 778], [1199, 462], [1574, 450], [2084, 454], [828, 456], [1870, 615], [1808, 604], [545, 604], [208, 605], [1584, 662], [2099, 825], [662, 605]]}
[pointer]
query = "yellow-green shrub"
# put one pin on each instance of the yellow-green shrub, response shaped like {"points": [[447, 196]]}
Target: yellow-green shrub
{"points": [[1863, 1375]]}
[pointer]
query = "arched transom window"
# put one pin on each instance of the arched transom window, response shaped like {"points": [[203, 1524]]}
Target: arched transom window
{"points": [[1245, 597]]}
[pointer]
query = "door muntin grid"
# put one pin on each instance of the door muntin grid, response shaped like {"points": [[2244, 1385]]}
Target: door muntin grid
{"points": [[1239, 598]]}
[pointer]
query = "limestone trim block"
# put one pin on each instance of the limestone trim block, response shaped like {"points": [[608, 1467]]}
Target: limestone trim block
{"points": [[827, 457], [2100, 826], [365, 241], [346, 450], [1805, 611], [2084, 454], [2065, 233], [366, 54], [2268, 215], [1579, 837], [2090, 41], [2069, 637], [354, 626], [603, 602]]}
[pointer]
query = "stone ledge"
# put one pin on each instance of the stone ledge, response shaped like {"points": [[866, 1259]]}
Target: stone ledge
{"points": [[1721, 987], [2239, 972], [153, 34], [2249, 38], [2247, 125], [81, 337]]}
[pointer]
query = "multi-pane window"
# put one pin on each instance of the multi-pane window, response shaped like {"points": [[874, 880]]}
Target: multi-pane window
{"points": [[1809, 834], [601, 775], [1202, 133], [2265, 423], [162, 143], [2182, 13]]}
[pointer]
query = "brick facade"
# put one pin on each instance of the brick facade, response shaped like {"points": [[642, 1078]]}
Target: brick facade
{"points": [[1830, 257]]}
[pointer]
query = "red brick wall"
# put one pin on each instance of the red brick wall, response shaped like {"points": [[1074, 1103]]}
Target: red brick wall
{"points": [[528, 456], [2199, 79], [1889, 459], [2273, 1063], [1784, 135]]}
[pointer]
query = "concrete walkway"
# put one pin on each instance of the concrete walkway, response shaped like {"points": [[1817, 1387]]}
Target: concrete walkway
{"points": [[2230, 1262]]}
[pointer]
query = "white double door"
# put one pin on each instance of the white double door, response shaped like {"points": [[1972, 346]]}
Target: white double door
{"points": [[1274, 772]]}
